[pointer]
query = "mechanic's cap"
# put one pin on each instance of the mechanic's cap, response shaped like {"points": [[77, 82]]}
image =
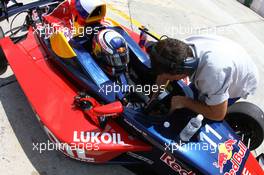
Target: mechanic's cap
{"points": [[88, 11]]}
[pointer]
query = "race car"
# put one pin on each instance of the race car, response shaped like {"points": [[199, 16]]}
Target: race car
{"points": [[76, 103]]}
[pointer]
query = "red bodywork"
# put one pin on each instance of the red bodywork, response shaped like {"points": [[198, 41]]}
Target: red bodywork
{"points": [[51, 96], [96, 110]]}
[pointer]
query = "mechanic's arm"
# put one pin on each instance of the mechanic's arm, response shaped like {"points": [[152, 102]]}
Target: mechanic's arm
{"points": [[216, 112]]}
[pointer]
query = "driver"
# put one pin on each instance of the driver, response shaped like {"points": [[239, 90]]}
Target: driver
{"points": [[111, 51], [220, 70]]}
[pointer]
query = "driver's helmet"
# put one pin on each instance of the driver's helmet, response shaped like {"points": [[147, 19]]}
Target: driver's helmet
{"points": [[88, 11], [111, 50]]}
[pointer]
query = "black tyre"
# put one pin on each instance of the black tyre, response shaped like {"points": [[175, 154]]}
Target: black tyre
{"points": [[247, 120], [3, 62]]}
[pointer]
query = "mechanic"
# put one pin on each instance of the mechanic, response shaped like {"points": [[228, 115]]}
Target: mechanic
{"points": [[219, 69]]}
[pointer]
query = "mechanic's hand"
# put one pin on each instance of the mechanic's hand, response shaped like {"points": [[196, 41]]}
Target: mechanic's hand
{"points": [[177, 102], [161, 80]]}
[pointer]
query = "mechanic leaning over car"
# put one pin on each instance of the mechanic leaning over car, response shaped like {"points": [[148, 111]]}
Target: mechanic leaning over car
{"points": [[219, 69]]}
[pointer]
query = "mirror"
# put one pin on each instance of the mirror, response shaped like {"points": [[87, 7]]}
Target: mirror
{"points": [[112, 109]]}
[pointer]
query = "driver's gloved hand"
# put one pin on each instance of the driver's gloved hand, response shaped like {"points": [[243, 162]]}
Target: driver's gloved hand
{"points": [[135, 106]]}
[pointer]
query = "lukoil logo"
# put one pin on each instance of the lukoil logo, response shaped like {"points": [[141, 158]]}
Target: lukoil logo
{"points": [[97, 137]]}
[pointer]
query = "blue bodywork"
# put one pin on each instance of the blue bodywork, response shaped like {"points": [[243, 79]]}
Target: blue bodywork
{"points": [[198, 154]]}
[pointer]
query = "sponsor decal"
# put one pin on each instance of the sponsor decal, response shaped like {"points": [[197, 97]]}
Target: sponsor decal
{"points": [[81, 150], [246, 172], [140, 157], [237, 159], [71, 151], [133, 126], [171, 162], [97, 137], [224, 154], [86, 159]]}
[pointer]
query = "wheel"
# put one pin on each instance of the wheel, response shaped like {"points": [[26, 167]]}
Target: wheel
{"points": [[247, 120], [3, 62]]}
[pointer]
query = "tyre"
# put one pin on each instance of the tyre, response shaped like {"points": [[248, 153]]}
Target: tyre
{"points": [[247, 120], [3, 62]]}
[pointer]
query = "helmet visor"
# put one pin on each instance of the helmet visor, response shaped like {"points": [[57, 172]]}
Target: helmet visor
{"points": [[119, 59]]}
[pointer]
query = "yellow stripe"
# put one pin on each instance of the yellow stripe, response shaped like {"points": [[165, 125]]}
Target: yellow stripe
{"points": [[128, 18]]}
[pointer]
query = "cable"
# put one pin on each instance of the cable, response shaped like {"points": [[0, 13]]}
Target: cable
{"points": [[130, 17], [163, 37], [19, 27]]}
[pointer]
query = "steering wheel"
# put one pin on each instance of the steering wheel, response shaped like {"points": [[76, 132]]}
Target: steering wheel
{"points": [[163, 101], [160, 103]]}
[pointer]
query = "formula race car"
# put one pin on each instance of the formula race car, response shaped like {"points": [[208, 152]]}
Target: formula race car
{"points": [[95, 118]]}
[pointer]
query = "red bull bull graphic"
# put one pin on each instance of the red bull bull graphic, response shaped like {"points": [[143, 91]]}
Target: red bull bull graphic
{"points": [[224, 153], [237, 159]]}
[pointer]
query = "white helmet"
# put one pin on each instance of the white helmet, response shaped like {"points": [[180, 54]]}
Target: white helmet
{"points": [[111, 50]]}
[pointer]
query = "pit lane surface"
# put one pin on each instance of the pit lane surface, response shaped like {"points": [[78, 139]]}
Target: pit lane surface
{"points": [[19, 127]]}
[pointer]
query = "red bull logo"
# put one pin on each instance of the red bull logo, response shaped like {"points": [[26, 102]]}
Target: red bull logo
{"points": [[224, 153], [237, 159], [171, 162]]}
